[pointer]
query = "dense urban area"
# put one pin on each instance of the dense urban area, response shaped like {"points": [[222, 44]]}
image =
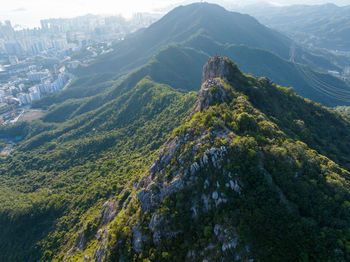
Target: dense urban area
{"points": [[36, 62]]}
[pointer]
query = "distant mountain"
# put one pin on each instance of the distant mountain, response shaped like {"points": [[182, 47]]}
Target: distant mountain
{"points": [[181, 24], [179, 66], [211, 29], [309, 83], [326, 26]]}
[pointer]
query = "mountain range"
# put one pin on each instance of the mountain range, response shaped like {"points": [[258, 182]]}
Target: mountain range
{"points": [[211, 29], [132, 163], [323, 26]]}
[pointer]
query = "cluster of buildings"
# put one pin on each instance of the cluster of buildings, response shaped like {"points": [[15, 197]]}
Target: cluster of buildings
{"points": [[25, 91], [35, 62], [56, 35], [46, 86], [28, 42]]}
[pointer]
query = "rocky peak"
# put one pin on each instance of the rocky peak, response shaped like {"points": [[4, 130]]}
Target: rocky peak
{"points": [[212, 90], [219, 67]]}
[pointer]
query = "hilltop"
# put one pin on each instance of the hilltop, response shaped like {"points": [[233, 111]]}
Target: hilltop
{"points": [[181, 24]]}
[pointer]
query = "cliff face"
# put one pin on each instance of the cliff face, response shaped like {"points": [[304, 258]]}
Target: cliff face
{"points": [[220, 67], [216, 72]]}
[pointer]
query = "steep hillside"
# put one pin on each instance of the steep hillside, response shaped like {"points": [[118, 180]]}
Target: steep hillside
{"points": [[234, 183], [249, 155], [320, 87], [180, 67], [249, 170]]}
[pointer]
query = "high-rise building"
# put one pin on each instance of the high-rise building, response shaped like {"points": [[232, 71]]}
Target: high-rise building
{"points": [[24, 98], [34, 96], [37, 76], [13, 60], [13, 48]]}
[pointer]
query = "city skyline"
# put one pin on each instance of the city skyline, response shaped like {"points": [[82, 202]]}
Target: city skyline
{"points": [[27, 14]]}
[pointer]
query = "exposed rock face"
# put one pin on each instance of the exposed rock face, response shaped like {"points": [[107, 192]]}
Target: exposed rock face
{"points": [[185, 167], [220, 67], [81, 240], [165, 155], [109, 211], [212, 90], [102, 249], [136, 240]]}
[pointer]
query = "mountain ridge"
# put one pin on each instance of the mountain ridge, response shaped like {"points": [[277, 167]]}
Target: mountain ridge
{"points": [[117, 173], [189, 25], [184, 22], [93, 164], [196, 178]]}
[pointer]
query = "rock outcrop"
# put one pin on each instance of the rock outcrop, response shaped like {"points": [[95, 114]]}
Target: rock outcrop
{"points": [[220, 67], [216, 72], [109, 211], [211, 92]]}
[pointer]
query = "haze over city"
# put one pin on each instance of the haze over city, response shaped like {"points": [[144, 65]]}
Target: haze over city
{"points": [[29, 13]]}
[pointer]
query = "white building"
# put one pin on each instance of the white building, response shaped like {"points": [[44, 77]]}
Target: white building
{"points": [[45, 87], [59, 44], [37, 76], [13, 90], [13, 60], [24, 98], [34, 89], [34, 96]]}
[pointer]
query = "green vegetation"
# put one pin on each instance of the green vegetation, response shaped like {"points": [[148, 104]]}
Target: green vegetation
{"points": [[181, 24], [255, 48], [92, 151], [60, 174], [290, 156], [292, 197], [344, 110]]}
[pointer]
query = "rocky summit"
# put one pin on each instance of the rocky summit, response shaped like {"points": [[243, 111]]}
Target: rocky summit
{"points": [[216, 70], [220, 67]]}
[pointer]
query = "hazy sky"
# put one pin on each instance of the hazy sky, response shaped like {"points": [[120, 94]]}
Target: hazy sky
{"points": [[29, 12]]}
